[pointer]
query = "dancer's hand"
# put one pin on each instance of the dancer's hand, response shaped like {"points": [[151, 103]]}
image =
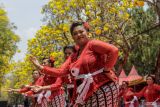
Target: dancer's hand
{"points": [[27, 86], [9, 90], [111, 75], [37, 88], [35, 62], [12, 90]]}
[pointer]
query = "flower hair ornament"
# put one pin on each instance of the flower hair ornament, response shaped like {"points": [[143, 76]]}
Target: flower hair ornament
{"points": [[52, 60], [86, 25]]}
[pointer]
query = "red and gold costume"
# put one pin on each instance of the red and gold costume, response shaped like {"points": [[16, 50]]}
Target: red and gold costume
{"points": [[88, 68]]}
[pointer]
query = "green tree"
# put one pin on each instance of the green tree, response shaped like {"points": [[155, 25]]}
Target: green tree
{"points": [[8, 40]]}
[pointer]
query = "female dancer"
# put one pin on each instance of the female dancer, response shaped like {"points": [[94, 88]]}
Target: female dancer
{"points": [[90, 66], [51, 91], [68, 80], [37, 80], [127, 94], [150, 92]]}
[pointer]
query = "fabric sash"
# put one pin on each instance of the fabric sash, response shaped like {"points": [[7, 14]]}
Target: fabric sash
{"points": [[83, 88]]}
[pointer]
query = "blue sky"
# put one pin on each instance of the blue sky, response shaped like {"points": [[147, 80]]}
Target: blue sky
{"points": [[26, 15]]}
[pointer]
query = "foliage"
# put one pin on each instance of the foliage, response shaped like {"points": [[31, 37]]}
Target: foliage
{"points": [[124, 23], [108, 21], [8, 40]]}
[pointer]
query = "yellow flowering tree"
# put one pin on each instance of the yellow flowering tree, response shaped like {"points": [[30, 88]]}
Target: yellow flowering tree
{"points": [[108, 21], [8, 40]]}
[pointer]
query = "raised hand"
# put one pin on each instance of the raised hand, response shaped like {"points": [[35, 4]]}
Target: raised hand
{"points": [[35, 62]]}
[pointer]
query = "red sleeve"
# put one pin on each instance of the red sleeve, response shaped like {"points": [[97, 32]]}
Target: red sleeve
{"points": [[23, 90], [57, 84], [131, 89], [141, 93], [57, 72], [29, 93], [104, 48], [39, 82], [157, 87]]}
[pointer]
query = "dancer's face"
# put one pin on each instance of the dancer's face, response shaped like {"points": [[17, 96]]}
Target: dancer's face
{"points": [[80, 35], [35, 75], [67, 52], [149, 80], [45, 62], [124, 85]]}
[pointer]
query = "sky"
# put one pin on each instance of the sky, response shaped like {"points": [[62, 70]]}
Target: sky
{"points": [[26, 15]]}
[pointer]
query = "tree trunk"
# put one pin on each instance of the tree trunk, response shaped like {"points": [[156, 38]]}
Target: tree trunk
{"points": [[157, 68], [123, 63]]}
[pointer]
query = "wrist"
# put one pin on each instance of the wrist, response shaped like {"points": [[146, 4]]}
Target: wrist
{"points": [[106, 70], [40, 67], [42, 88]]}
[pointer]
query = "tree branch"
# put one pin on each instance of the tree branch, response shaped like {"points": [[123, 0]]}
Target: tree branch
{"points": [[145, 31]]}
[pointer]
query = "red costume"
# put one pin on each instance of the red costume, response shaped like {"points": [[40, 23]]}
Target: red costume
{"points": [[150, 92], [55, 83], [95, 56], [29, 92], [68, 86], [127, 95], [54, 91]]}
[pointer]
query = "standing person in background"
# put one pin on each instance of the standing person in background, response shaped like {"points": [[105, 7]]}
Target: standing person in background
{"points": [[91, 67], [150, 92]]}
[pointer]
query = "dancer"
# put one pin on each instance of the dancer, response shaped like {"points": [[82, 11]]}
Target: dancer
{"points": [[150, 92], [91, 66], [127, 94], [51, 94], [68, 80], [26, 90]]}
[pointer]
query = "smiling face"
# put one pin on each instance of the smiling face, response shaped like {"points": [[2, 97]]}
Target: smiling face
{"points": [[45, 62], [79, 35], [149, 80], [35, 75], [67, 52]]}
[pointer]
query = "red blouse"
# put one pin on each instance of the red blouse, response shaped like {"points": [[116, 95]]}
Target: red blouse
{"points": [[55, 84], [27, 91], [95, 55], [39, 81], [150, 92], [127, 94]]}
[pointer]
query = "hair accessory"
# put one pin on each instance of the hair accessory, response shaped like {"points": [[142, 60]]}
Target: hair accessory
{"points": [[86, 25], [52, 60]]}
